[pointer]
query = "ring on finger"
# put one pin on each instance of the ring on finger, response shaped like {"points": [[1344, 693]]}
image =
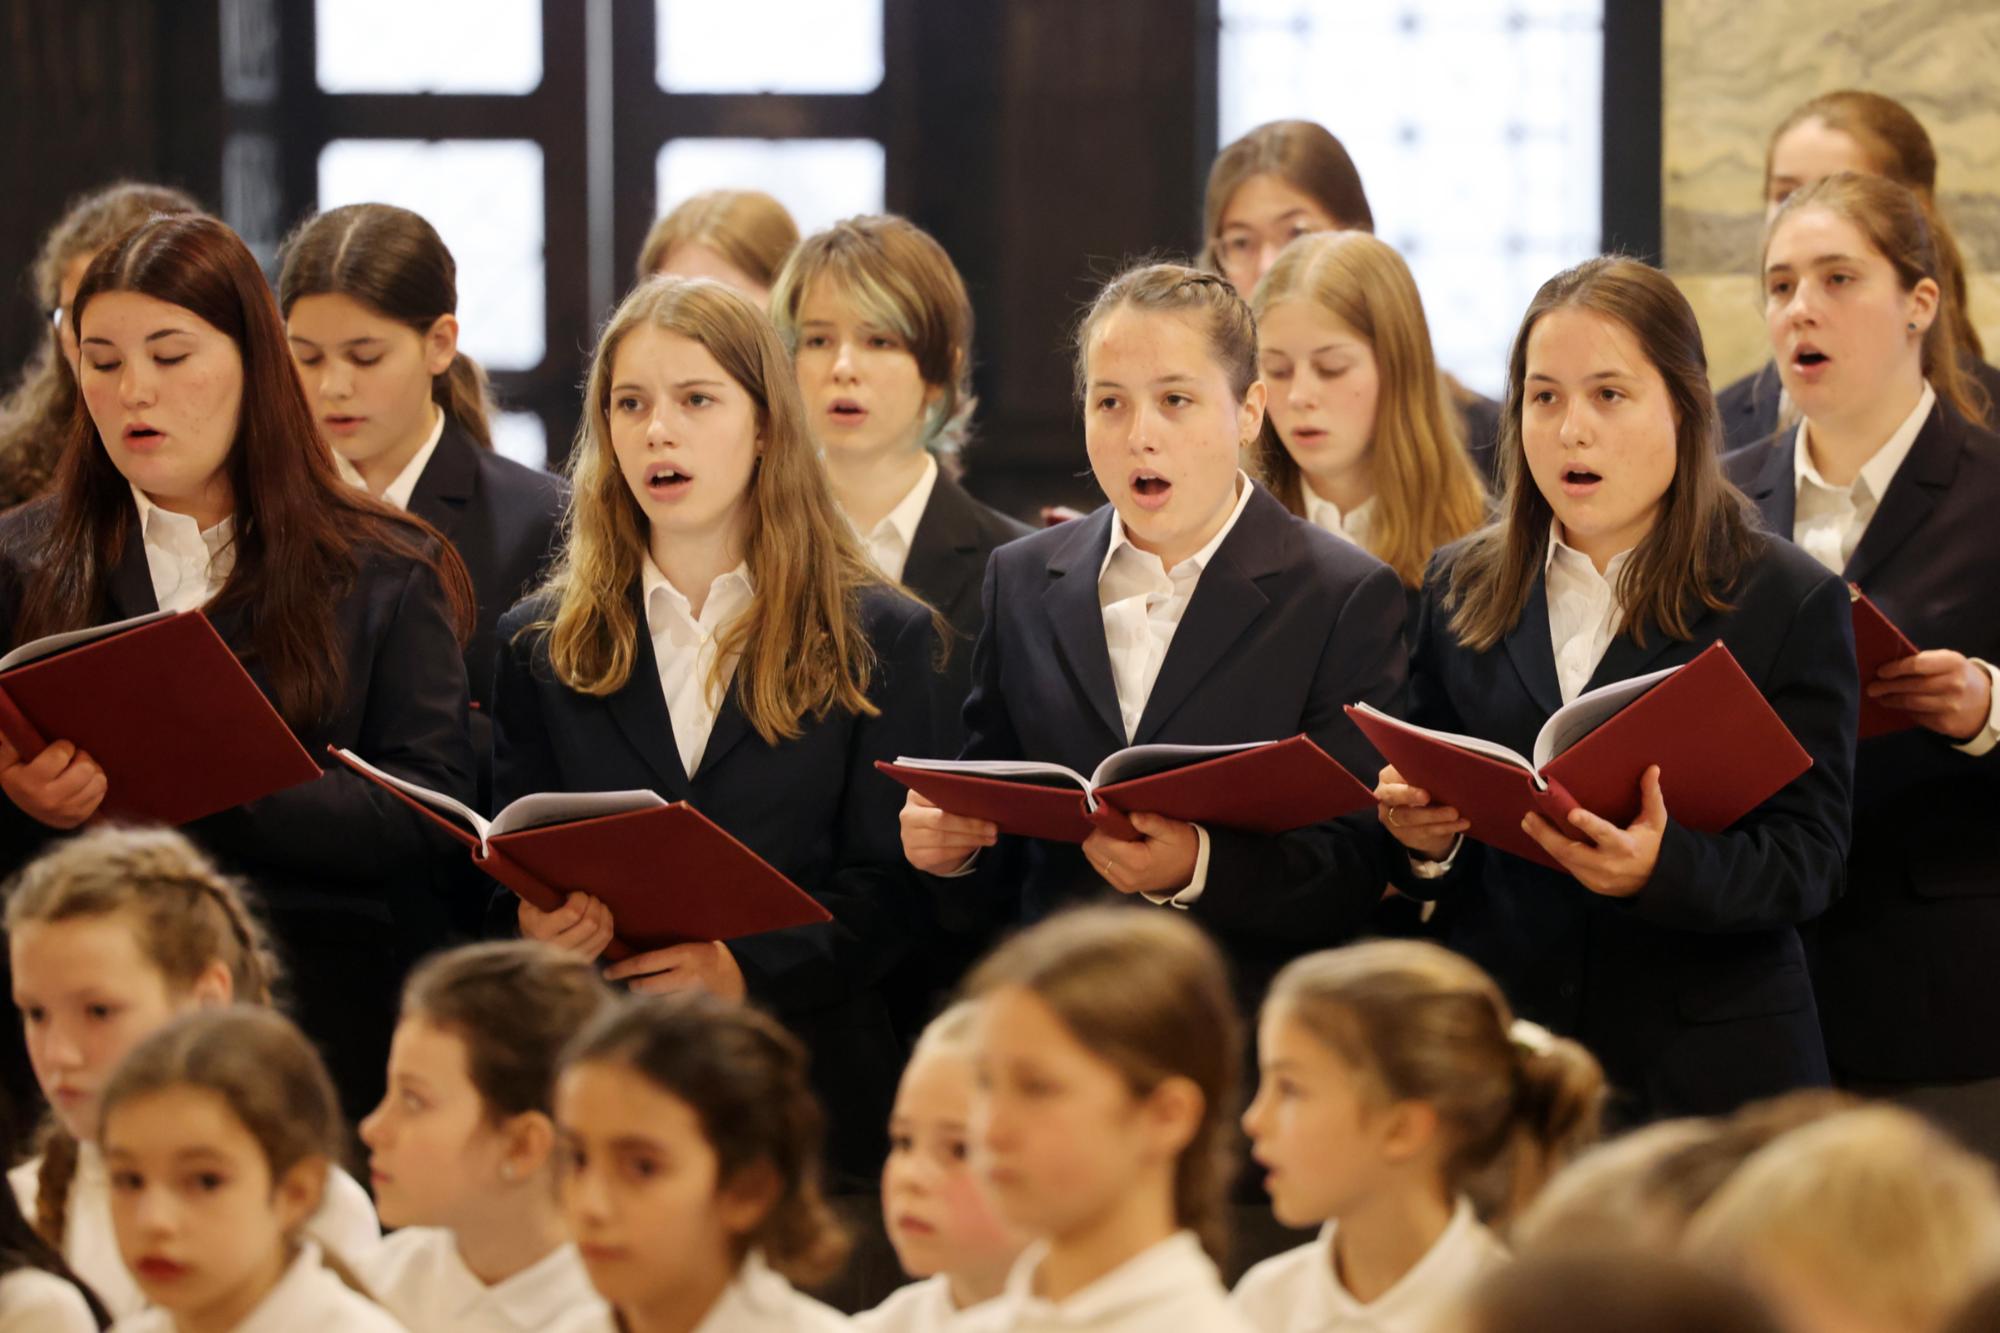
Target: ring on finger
{"points": [[1395, 816]]}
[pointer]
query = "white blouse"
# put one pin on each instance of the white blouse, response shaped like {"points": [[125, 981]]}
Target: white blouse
{"points": [[922, 1307], [758, 1301], [419, 1277], [32, 1301], [307, 1299], [1171, 1286]]}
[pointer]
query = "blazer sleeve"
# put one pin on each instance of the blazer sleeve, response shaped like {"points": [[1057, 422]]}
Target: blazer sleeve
{"points": [[1430, 706], [871, 891], [523, 756], [1784, 862], [1315, 886]]}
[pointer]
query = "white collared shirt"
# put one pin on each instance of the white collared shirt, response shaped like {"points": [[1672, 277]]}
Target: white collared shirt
{"points": [[758, 1300], [188, 564], [1169, 1286], [684, 648], [307, 1299], [399, 491], [1326, 516], [1828, 520], [889, 541], [1584, 611], [419, 1277], [32, 1301], [345, 1223], [1299, 1291], [922, 1307]]}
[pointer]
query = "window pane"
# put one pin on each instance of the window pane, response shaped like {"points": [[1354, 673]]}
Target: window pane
{"points": [[485, 199], [522, 437], [431, 46], [1477, 129], [769, 46], [819, 180]]}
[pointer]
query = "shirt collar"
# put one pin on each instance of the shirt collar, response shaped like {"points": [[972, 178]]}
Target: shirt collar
{"points": [[1151, 1276], [162, 524], [1880, 469], [655, 586], [909, 511], [1325, 514], [1420, 1296], [399, 491], [1199, 560], [1576, 562], [538, 1295]]}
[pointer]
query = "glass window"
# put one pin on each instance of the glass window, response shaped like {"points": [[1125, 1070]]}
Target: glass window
{"points": [[819, 180], [435, 46], [1477, 129], [769, 46], [522, 437], [485, 199]]}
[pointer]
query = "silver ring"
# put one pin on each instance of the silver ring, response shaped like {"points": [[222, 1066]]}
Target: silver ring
{"points": [[1394, 812]]}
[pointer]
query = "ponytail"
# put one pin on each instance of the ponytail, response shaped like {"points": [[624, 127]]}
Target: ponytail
{"points": [[1558, 1095], [467, 399], [52, 1182]]}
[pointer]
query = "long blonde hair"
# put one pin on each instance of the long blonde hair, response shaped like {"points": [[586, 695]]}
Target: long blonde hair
{"points": [[1428, 494], [804, 649]]}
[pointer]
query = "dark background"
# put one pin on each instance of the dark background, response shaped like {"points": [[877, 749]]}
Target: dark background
{"points": [[1041, 141]]}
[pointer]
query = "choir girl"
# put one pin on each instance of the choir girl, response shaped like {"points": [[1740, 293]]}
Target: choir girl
{"points": [[1851, 130], [1395, 1088], [1890, 482], [738, 237], [1107, 1053], [220, 1132], [1673, 955], [715, 632], [462, 1150], [690, 1145], [113, 934], [34, 417], [1287, 179], [195, 480], [1191, 609], [39, 1292], [370, 294], [940, 1221]]}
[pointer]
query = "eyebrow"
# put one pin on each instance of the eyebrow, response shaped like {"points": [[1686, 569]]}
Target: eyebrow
{"points": [[1594, 375], [1288, 213], [351, 342], [1817, 261], [1176, 378], [628, 387], [151, 337]]}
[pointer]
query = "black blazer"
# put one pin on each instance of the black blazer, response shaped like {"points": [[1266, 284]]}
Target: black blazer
{"points": [[345, 870], [1287, 626], [1749, 407], [814, 807], [1480, 418], [1694, 992], [1903, 963]]}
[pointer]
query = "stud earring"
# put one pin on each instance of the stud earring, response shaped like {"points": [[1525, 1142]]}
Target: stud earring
{"points": [[1913, 327]]}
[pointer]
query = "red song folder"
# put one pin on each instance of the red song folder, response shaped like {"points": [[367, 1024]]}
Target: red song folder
{"points": [[163, 706], [1877, 642], [668, 873], [1721, 749], [1261, 787]]}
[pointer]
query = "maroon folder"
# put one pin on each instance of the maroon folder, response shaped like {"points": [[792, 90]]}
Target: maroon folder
{"points": [[1877, 642], [163, 706], [1721, 749], [668, 873], [1271, 787]]}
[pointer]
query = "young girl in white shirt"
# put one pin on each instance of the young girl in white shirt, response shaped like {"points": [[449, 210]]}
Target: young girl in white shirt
{"points": [[940, 1221], [1107, 1051], [690, 1146], [1401, 1105], [220, 1132], [111, 935], [462, 1148], [38, 1291]]}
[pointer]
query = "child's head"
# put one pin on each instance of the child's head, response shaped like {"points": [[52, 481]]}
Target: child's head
{"points": [[1612, 1290], [1166, 370], [218, 1133], [468, 1117], [738, 237], [1397, 1065], [1107, 1048], [937, 1217], [690, 1138], [111, 934], [1282, 180], [880, 327], [1866, 1220]]}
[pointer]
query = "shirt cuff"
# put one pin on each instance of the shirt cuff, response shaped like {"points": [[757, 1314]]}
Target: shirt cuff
{"points": [[1989, 735], [1187, 897], [1423, 869], [965, 867]]}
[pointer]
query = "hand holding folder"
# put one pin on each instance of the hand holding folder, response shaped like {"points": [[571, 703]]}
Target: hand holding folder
{"points": [[1877, 642], [667, 872]]}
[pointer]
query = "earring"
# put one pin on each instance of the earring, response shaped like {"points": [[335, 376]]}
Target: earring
{"points": [[1913, 326]]}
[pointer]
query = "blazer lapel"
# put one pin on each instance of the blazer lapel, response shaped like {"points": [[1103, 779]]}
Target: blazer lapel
{"points": [[129, 586], [641, 712], [1529, 649], [1774, 490], [1922, 480], [944, 547], [731, 726], [1624, 659], [448, 480], [1078, 621]]}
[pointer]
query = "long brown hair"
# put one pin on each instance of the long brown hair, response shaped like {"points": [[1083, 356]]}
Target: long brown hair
{"points": [[34, 418], [1427, 1025], [1147, 993], [749, 228], [1301, 153], [1706, 535], [804, 648], [1899, 148], [394, 262], [1428, 493], [300, 533], [1895, 222]]}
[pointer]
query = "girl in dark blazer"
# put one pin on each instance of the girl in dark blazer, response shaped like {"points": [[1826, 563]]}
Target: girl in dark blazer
{"points": [[1888, 483], [1674, 955], [713, 632], [369, 294], [197, 480], [1192, 609]]}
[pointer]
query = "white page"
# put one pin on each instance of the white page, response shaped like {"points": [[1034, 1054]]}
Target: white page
{"points": [[566, 807], [1585, 713], [996, 768], [55, 643], [1478, 745], [1140, 761], [437, 800]]}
